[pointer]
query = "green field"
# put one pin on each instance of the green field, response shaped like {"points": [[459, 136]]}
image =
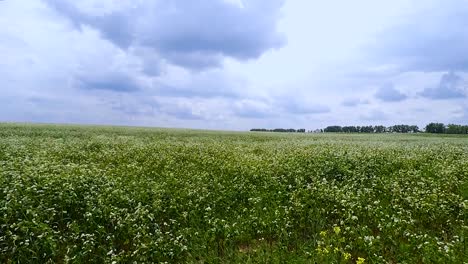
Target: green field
{"points": [[85, 194]]}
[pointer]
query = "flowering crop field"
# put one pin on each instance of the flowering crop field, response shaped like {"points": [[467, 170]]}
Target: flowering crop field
{"points": [[88, 194]]}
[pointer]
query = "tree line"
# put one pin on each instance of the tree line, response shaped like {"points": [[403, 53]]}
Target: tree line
{"points": [[283, 130], [373, 129], [438, 128]]}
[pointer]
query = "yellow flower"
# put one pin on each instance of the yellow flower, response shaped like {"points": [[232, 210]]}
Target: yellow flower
{"points": [[360, 260], [323, 233], [337, 229], [346, 256]]}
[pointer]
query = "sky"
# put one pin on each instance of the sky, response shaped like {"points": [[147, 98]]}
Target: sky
{"points": [[234, 64]]}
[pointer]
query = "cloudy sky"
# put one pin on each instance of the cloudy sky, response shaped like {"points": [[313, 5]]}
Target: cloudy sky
{"points": [[234, 64]]}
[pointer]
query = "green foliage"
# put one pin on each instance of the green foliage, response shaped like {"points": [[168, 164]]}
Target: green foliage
{"points": [[333, 129], [373, 129], [456, 129], [437, 128], [281, 130], [123, 195]]}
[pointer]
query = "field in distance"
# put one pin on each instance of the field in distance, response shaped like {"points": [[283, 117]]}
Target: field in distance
{"points": [[89, 194]]}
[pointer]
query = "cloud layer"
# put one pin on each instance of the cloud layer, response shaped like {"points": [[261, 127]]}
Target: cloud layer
{"points": [[432, 38], [450, 87], [388, 93], [233, 64], [194, 35]]}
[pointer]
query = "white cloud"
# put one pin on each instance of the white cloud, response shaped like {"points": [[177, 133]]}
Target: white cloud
{"points": [[249, 64]]}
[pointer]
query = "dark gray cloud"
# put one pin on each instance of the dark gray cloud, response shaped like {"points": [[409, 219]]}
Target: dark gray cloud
{"points": [[194, 34], [450, 87], [388, 93], [195, 60], [433, 39], [117, 82]]}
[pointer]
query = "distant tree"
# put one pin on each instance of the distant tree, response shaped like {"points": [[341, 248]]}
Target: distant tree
{"points": [[456, 129], [414, 129], [333, 129], [280, 130], [395, 129], [367, 129], [379, 129], [374, 129], [349, 129], [403, 129], [430, 128], [437, 128]]}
